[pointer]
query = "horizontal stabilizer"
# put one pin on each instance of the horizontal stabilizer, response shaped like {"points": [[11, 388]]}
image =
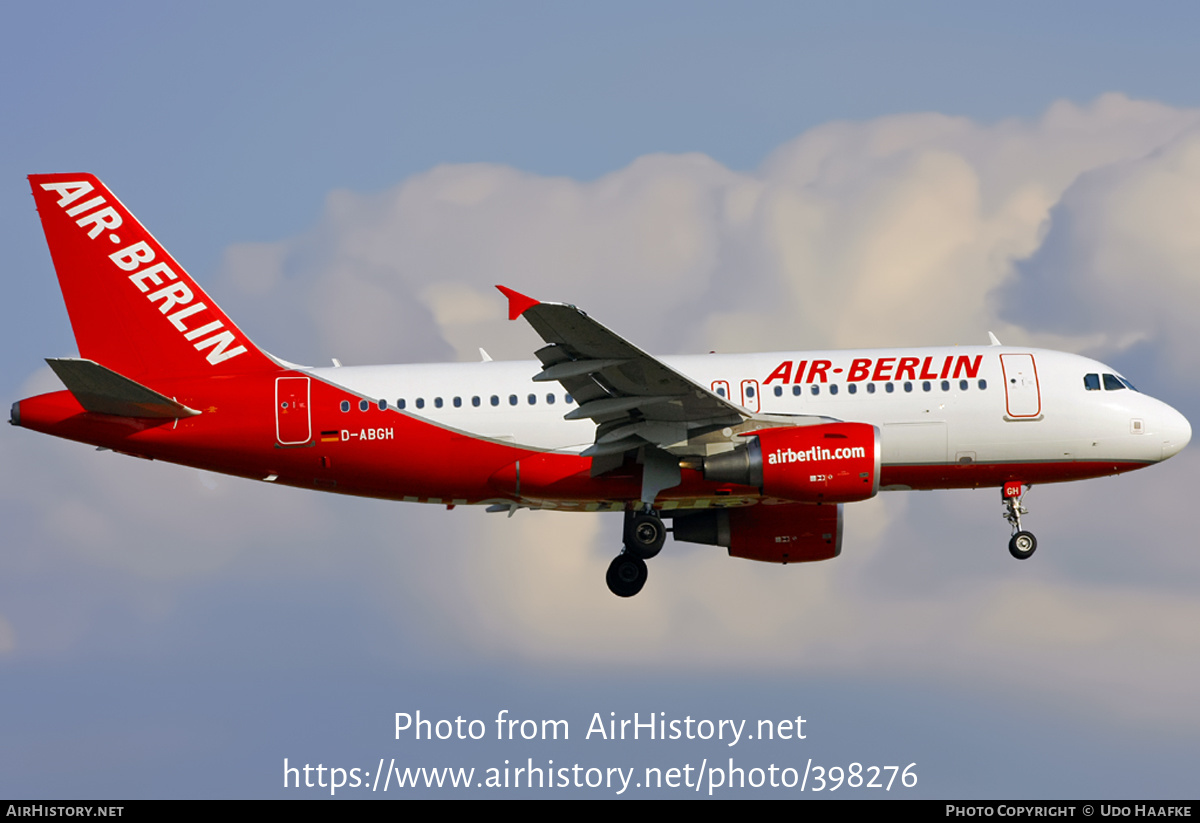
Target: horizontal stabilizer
{"points": [[104, 391]]}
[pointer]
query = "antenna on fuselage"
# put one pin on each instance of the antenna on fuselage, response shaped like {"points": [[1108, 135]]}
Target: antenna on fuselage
{"points": [[994, 339]]}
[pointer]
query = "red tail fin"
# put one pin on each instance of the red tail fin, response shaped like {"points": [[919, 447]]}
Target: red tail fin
{"points": [[132, 307]]}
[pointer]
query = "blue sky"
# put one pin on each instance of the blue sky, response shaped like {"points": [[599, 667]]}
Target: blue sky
{"points": [[171, 634]]}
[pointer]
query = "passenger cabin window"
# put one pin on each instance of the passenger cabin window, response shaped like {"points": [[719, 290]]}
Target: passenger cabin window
{"points": [[779, 391], [1111, 383], [363, 405], [420, 402], [833, 389], [550, 399], [797, 390], [458, 402], [475, 401], [1091, 382], [346, 405], [870, 388], [437, 401], [495, 400], [400, 403], [852, 388]]}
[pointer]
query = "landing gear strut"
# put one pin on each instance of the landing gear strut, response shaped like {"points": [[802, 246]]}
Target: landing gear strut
{"points": [[644, 538], [1023, 544]]}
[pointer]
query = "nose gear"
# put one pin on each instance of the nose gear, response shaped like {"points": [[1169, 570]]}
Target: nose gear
{"points": [[1023, 544]]}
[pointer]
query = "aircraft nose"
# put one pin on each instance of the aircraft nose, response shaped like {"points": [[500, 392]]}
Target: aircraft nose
{"points": [[1176, 433]]}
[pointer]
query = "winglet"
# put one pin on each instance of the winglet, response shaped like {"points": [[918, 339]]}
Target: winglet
{"points": [[518, 303]]}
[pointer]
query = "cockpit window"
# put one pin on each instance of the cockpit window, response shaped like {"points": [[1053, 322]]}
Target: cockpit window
{"points": [[1111, 383], [1128, 385], [1091, 382]]}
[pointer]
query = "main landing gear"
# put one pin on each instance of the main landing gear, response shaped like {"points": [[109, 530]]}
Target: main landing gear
{"points": [[1023, 544], [644, 538]]}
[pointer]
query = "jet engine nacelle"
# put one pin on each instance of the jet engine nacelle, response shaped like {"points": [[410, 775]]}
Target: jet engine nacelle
{"points": [[788, 533], [826, 463]]}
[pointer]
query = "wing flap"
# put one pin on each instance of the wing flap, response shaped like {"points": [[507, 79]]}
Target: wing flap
{"points": [[613, 407], [574, 368]]}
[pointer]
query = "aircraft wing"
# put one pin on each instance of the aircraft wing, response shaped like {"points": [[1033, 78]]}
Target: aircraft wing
{"points": [[635, 399]]}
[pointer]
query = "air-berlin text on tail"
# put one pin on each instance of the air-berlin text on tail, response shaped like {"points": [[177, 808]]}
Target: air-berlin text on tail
{"points": [[176, 297], [882, 368]]}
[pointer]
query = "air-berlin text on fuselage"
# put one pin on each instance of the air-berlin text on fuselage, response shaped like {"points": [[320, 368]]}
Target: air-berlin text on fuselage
{"points": [[815, 453], [878, 368], [176, 296]]}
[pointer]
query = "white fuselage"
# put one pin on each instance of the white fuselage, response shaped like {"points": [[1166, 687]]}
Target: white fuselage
{"points": [[1017, 404]]}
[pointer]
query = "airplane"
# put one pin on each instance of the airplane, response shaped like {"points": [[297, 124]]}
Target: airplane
{"points": [[756, 453]]}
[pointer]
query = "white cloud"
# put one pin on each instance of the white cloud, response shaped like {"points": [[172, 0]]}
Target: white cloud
{"points": [[1122, 254]]}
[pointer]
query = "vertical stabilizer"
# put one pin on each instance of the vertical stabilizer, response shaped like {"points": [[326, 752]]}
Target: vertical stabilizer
{"points": [[132, 306]]}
